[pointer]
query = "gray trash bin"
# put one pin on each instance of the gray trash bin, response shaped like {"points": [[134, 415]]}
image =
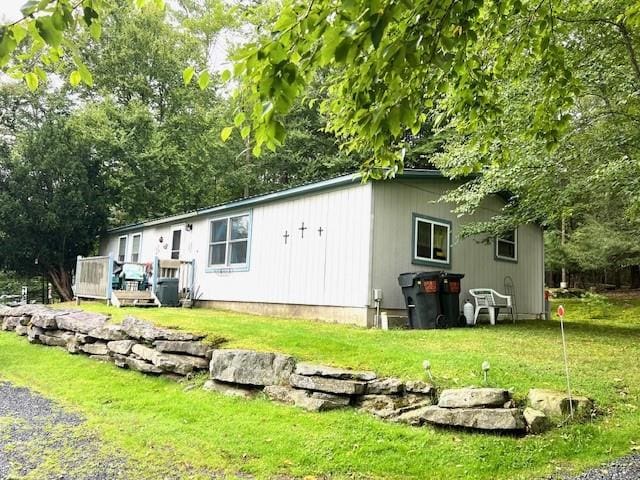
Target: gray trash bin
{"points": [[167, 292], [421, 297]]}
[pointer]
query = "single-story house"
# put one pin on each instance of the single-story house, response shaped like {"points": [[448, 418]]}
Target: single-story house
{"points": [[320, 250]]}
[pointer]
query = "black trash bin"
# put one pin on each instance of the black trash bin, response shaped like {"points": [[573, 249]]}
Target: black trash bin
{"points": [[167, 292], [450, 299], [420, 292]]}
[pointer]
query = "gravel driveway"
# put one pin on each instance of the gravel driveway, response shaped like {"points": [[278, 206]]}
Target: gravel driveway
{"points": [[40, 440], [627, 468]]}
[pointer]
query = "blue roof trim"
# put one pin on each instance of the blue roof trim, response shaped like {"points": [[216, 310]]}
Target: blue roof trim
{"points": [[343, 180]]}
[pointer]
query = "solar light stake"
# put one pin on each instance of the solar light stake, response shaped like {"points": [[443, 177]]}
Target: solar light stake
{"points": [[485, 369], [427, 366], [566, 360]]}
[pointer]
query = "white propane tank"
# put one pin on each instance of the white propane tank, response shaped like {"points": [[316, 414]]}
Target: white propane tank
{"points": [[468, 311]]}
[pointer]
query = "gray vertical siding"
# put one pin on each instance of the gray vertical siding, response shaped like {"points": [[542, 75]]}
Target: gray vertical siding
{"points": [[395, 202]]}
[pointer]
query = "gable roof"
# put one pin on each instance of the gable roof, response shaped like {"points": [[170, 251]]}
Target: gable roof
{"points": [[343, 180]]}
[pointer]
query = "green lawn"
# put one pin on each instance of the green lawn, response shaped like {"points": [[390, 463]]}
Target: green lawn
{"points": [[165, 428]]}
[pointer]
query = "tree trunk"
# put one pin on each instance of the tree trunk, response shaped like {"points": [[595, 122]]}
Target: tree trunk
{"points": [[634, 270], [61, 280]]}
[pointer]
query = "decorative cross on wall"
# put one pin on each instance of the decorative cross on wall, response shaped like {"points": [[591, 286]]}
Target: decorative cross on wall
{"points": [[320, 230], [286, 236], [302, 229]]}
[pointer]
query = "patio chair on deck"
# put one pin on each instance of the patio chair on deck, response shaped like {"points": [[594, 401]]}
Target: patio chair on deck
{"points": [[492, 301]]}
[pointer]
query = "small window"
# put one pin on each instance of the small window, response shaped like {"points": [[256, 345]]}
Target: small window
{"points": [[229, 241], [175, 244], [431, 242], [507, 246], [122, 249], [135, 248]]}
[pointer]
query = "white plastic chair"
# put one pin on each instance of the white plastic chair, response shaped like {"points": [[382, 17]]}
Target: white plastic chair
{"points": [[492, 301]]}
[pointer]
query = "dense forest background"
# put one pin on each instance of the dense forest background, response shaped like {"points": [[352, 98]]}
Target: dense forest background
{"points": [[134, 140]]}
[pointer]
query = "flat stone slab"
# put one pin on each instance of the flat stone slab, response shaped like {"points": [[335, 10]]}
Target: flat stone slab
{"points": [[505, 419], [46, 318], [123, 347], [98, 348], [231, 390], [10, 323], [251, 368], [197, 349], [108, 332], [142, 330], [81, 322], [385, 386], [328, 385], [55, 338], [418, 386], [312, 369], [310, 401], [123, 361], [473, 397], [181, 364], [554, 403]]}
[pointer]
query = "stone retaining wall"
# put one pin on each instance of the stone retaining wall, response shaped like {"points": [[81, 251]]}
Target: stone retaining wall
{"points": [[141, 346], [134, 344]]}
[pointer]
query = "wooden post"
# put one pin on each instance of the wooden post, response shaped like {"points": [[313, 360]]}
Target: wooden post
{"points": [[77, 279], [109, 291]]}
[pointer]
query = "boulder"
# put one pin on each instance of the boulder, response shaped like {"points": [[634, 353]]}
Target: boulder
{"points": [[418, 386], [197, 349], [537, 421], [328, 385], [412, 416], [385, 386], [146, 331], [554, 403], [181, 364], [108, 332], [55, 338], [98, 348], [123, 347], [46, 318], [383, 406], [507, 419], [473, 397], [22, 330], [311, 401], [9, 324], [73, 345], [135, 364], [251, 368], [231, 390], [33, 334], [311, 369], [81, 322]]}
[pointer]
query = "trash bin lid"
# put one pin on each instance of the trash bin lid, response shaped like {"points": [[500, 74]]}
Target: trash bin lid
{"points": [[428, 275], [406, 279], [451, 276]]}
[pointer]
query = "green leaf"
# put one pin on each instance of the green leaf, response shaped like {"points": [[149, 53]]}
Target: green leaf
{"points": [[19, 32], [226, 133], [239, 119], [244, 133], [203, 79], [187, 75], [7, 46], [95, 30], [89, 15], [85, 74], [342, 50], [75, 78], [49, 33], [226, 76], [29, 7], [32, 81]]}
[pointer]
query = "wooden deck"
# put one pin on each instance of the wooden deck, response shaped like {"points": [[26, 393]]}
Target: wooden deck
{"points": [[128, 298]]}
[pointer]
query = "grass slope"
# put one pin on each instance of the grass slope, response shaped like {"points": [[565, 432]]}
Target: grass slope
{"points": [[168, 430]]}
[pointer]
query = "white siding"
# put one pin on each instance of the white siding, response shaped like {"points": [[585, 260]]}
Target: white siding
{"points": [[394, 204], [328, 269]]}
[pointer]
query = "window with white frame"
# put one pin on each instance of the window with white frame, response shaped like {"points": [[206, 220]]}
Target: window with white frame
{"points": [[135, 247], [507, 246], [229, 241], [122, 249], [431, 240]]}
